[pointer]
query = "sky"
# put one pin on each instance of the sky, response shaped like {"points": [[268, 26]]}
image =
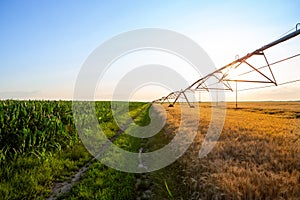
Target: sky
{"points": [[45, 43]]}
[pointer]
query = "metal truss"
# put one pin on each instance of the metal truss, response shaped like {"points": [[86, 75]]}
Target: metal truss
{"points": [[220, 79]]}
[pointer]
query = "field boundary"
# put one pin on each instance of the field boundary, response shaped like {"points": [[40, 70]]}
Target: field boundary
{"points": [[60, 188]]}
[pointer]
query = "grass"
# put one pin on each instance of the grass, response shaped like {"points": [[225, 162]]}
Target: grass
{"points": [[32, 178], [169, 191], [101, 182], [104, 183]]}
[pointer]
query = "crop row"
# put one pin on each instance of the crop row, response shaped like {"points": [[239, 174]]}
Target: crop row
{"points": [[38, 127]]}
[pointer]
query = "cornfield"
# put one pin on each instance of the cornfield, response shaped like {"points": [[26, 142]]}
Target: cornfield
{"points": [[37, 127]]}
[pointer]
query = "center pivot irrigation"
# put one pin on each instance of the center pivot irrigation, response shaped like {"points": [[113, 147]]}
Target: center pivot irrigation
{"points": [[222, 77]]}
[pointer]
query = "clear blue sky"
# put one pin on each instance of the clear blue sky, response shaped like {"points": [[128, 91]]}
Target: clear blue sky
{"points": [[44, 43]]}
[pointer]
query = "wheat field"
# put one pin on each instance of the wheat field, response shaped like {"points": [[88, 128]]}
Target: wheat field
{"points": [[256, 157]]}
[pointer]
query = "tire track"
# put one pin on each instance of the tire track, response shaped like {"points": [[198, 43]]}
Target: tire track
{"points": [[60, 188]]}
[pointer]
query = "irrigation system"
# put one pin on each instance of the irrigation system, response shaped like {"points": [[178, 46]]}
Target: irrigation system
{"points": [[221, 78]]}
